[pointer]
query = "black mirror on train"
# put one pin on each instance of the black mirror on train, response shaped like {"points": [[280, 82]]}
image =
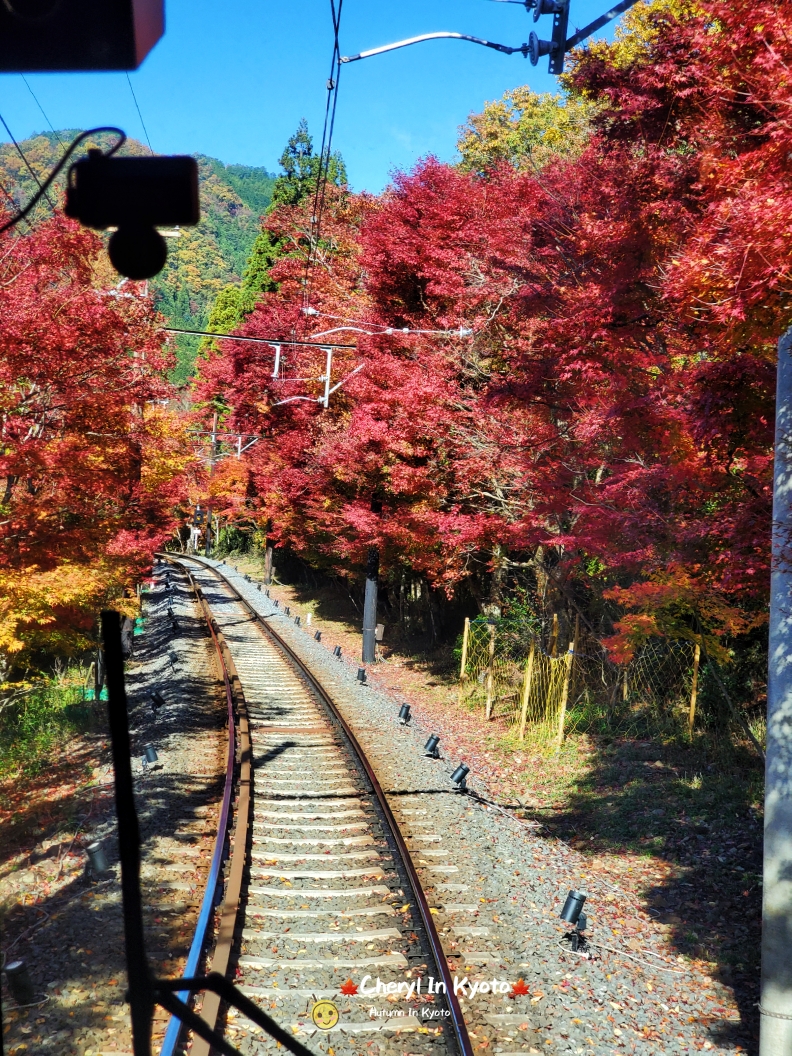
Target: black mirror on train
{"points": [[135, 196], [404, 715], [48, 35]]}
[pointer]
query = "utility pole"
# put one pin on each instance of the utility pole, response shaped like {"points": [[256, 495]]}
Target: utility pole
{"points": [[370, 607], [776, 994], [212, 454], [370, 599], [267, 561]]}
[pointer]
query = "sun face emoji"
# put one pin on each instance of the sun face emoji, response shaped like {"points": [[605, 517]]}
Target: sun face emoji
{"points": [[325, 1015]]}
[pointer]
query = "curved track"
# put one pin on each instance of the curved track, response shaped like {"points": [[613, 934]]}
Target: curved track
{"points": [[320, 886]]}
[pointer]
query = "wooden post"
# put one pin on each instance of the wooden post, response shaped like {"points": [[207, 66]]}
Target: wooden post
{"points": [[554, 636], [88, 679], [625, 692], [99, 674], [463, 663], [564, 698], [526, 693], [490, 667], [694, 688], [565, 691], [465, 638]]}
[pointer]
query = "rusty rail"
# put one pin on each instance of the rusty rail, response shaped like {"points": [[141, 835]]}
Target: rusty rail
{"points": [[237, 724], [444, 972]]}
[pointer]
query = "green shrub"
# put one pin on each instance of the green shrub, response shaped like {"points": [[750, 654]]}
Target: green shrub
{"points": [[34, 721]]}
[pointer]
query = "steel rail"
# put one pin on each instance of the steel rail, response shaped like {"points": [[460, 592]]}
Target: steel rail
{"points": [[174, 1028], [144, 991], [457, 1020], [238, 856]]}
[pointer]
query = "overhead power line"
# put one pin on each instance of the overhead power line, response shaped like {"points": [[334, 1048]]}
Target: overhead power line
{"points": [[325, 153], [41, 108], [137, 107], [271, 341], [30, 169]]}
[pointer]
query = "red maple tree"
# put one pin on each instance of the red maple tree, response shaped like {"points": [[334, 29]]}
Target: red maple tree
{"points": [[89, 463], [609, 416]]}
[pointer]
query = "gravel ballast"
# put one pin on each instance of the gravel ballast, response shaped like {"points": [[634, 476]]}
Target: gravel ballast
{"points": [[498, 885]]}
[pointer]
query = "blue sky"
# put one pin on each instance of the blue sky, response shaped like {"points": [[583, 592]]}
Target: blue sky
{"points": [[232, 80]]}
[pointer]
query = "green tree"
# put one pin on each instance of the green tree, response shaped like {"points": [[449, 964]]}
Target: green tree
{"points": [[524, 129], [301, 169], [297, 181]]}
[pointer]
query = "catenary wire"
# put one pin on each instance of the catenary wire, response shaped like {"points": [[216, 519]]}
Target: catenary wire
{"points": [[325, 154], [256, 340], [322, 176], [42, 188], [137, 107], [328, 154], [384, 329], [41, 108]]}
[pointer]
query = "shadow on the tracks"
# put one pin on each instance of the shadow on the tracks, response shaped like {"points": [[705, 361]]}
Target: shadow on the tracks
{"points": [[290, 797], [79, 942], [272, 754]]}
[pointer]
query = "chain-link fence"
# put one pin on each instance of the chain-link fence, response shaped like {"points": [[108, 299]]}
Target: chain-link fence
{"points": [[541, 698]]}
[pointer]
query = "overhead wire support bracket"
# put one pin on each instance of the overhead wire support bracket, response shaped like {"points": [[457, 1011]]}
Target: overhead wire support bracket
{"points": [[324, 400], [581, 34], [523, 48], [326, 378], [555, 49]]}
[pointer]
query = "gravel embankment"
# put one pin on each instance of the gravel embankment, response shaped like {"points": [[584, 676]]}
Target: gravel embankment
{"points": [[498, 886], [67, 925]]}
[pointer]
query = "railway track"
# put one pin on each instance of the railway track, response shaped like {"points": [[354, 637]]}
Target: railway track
{"points": [[320, 886]]}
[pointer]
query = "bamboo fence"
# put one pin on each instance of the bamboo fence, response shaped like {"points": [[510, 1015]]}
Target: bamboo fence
{"points": [[544, 697]]}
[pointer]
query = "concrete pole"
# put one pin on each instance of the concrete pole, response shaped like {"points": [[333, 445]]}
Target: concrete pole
{"points": [[776, 993], [268, 563], [370, 607], [212, 455]]}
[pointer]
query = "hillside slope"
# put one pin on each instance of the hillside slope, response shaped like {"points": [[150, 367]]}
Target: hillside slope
{"points": [[202, 261]]}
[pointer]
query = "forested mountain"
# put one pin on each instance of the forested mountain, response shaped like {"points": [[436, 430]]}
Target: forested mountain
{"points": [[202, 261], [297, 180]]}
